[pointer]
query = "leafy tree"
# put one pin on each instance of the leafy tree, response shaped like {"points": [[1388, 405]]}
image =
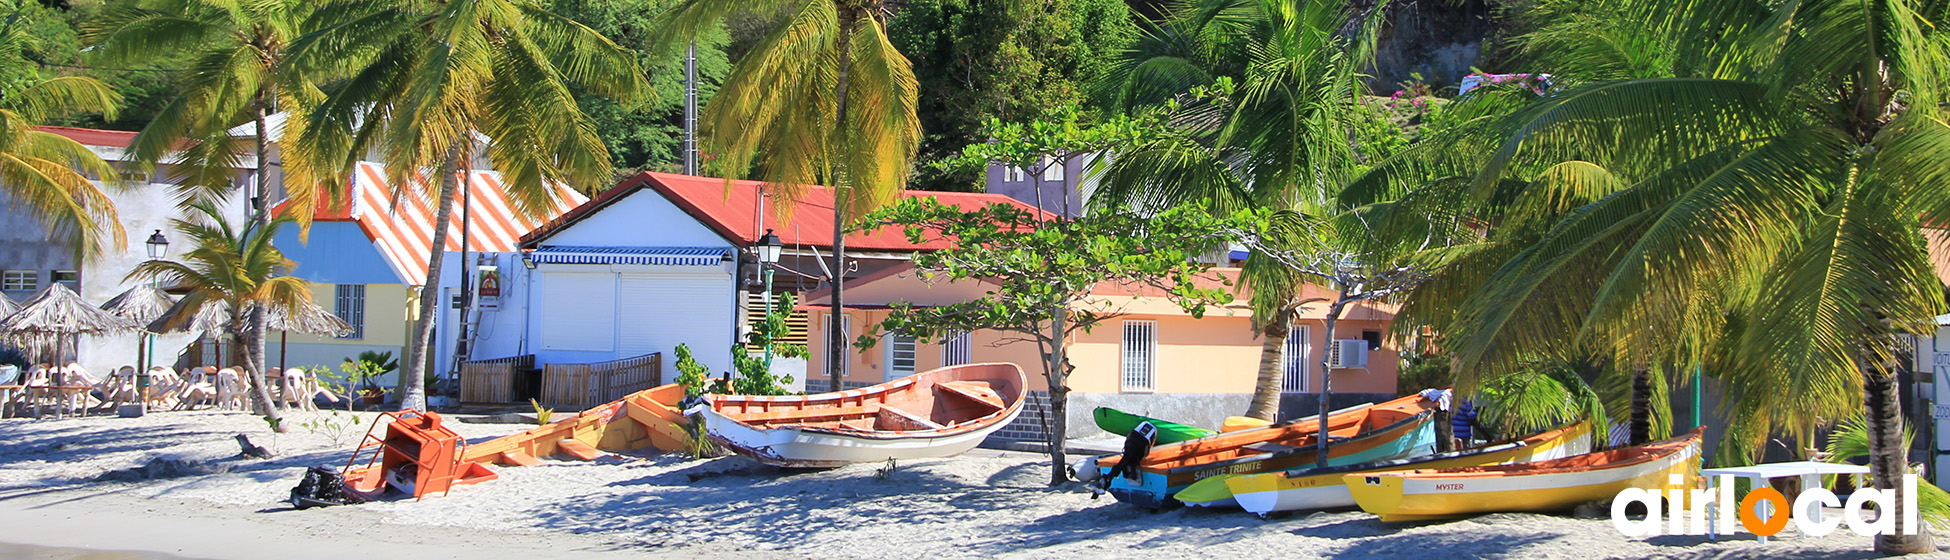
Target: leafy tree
{"points": [[825, 98], [1042, 275], [240, 269], [755, 373], [1017, 62], [1036, 146], [1770, 210], [43, 172], [647, 135], [53, 47], [1268, 92], [420, 79]]}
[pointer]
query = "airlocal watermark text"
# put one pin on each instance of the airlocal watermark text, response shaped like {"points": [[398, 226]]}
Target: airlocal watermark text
{"points": [[1687, 510]]}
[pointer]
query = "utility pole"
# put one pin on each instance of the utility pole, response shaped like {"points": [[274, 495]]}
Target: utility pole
{"points": [[690, 109]]}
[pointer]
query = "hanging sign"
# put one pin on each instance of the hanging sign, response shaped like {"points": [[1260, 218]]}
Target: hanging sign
{"points": [[489, 291]]}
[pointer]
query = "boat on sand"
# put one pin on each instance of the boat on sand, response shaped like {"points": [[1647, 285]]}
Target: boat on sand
{"points": [[1121, 423], [938, 413], [1390, 430], [1544, 486], [1309, 489]]}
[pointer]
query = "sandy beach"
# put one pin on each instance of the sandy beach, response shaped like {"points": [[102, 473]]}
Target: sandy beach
{"points": [[203, 502]]}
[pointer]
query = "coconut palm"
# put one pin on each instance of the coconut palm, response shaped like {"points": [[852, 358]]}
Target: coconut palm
{"points": [[423, 83], [1775, 196], [1277, 140], [47, 173], [233, 78], [241, 270], [825, 98]]}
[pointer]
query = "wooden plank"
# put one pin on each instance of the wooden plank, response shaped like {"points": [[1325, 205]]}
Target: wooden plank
{"points": [[517, 458], [578, 449]]}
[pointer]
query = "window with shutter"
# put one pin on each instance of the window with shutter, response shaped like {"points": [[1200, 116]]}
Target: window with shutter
{"points": [[1140, 349]]}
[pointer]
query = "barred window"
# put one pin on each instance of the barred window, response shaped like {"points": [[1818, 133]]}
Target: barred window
{"points": [[1140, 355], [1294, 379], [955, 350], [350, 306]]}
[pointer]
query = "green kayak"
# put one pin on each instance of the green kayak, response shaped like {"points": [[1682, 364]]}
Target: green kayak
{"points": [[1121, 423]]}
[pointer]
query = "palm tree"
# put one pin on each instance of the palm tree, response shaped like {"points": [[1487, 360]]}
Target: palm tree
{"points": [[241, 270], [1278, 140], [1775, 193], [418, 82], [46, 173], [826, 99], [234, 78], [236, 49]]}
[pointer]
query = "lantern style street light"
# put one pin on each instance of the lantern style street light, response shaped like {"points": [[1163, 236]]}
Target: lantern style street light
{"points": [[158, 247], [768, 249]]}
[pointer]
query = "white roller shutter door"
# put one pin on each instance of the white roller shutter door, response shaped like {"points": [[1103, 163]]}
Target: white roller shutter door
{"points": [[579, 311], [663, 309]]}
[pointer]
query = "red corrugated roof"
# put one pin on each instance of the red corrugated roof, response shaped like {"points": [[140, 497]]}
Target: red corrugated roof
{"points": [[733, 213], [92, 136]]}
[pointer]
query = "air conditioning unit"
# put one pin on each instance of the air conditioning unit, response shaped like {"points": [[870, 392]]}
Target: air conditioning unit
{"points": [[1348, 354]]}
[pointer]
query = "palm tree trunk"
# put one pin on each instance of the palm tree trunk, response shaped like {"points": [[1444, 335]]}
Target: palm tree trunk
{"points": [[254, 354], [1057, 373], [253, 341], [1641, 422], [1327, 378], [1272, 366], [836, 342], [412, 382], [1888, 458]]}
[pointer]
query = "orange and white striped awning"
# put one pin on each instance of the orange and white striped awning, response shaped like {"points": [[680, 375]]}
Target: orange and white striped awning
{"points": [[404, 234]]}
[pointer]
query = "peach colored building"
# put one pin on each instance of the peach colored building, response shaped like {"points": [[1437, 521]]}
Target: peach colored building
{"points": [[1151, 358]]}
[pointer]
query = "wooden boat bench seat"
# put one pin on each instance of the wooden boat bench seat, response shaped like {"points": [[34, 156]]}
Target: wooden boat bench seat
{"points": [[812, 415], [977, 392], [894, 419]]}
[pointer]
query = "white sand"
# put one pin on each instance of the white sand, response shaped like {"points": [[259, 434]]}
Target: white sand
{"points": [[984, 505]]}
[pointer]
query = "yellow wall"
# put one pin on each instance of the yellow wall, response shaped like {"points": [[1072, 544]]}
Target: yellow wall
{"points": [[1214, 354], [387, 310]]}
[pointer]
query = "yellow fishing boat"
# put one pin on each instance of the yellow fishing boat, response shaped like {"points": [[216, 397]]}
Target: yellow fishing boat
{"points": [[1306, 489], [1544, 486]]}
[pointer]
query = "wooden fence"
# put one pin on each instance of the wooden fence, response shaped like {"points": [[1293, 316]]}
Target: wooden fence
{"points": [[580, 386], [493, 381]]}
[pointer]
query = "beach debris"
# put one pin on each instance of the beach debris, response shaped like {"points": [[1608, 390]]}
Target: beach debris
{"points": [[251, 451], [321, 487], [161, 468]]}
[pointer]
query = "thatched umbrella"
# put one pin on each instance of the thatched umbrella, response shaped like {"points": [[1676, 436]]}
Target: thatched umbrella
{"points": [[57, 314], [7, 305], [141, 304], [213, 316]]}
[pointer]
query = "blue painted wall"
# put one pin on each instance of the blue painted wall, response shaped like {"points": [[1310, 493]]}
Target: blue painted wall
{"points": [[336, 253]]}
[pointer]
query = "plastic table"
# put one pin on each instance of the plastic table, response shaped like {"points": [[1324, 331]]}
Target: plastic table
{"points": [[1810, 473]]}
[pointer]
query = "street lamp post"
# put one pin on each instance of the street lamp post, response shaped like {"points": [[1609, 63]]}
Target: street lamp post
{"points": [[768, 249], [158, 247]]}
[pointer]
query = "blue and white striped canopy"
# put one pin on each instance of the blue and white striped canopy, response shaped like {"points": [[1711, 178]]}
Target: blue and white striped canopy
{"points": [[666, 256]]}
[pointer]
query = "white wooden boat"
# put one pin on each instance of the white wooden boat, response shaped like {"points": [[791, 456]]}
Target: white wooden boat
{"points": [[938, 413]]}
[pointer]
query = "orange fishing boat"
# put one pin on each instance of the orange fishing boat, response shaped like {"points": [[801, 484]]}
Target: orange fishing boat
{"points": [[938, 413], [1374, 432]]}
